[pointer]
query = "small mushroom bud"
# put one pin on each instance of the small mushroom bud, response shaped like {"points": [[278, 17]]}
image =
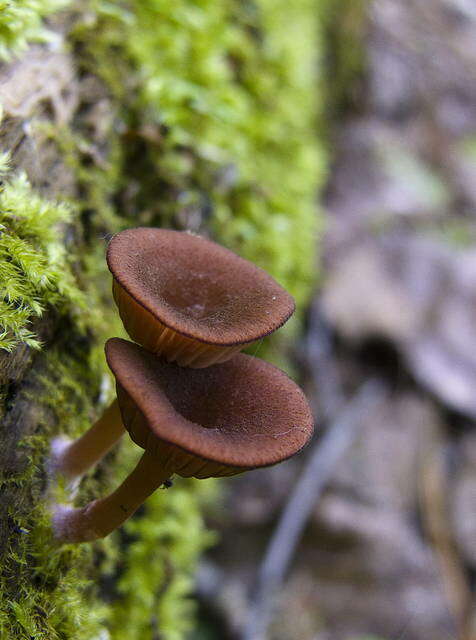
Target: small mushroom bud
{"points": [[189, 299], [218, 421]]}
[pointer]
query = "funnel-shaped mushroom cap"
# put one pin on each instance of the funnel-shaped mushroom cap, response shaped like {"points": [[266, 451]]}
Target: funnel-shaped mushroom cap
{"points": [[224, 419], [190, 299]]}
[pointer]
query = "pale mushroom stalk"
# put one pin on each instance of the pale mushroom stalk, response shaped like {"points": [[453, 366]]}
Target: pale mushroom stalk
{"points": [[100, 517], [72, 459]]}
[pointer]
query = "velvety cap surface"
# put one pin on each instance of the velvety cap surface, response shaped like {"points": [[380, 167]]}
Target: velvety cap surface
{"points": [[197, 287], [244, 412]]}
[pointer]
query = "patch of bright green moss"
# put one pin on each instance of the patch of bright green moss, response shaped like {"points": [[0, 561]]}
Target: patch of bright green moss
{"points": [[35, 270], [21, 23]]}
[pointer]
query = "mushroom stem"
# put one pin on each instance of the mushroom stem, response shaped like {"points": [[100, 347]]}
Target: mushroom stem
{"points": [[100, 517], [72, 459]]}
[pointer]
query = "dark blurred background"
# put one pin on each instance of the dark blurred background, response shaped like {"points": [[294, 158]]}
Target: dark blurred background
{"points": [[389, 549]]}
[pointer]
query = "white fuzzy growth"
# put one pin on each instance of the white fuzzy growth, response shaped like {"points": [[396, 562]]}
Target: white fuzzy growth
{"points": [[59, 445], [71, 525]]}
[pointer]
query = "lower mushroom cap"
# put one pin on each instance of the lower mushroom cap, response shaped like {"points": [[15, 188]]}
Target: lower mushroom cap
{"points": [[224, 419]]}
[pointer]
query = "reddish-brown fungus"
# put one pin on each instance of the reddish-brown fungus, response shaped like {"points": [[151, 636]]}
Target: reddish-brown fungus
{"points": [[189, 299], [218, 421]]}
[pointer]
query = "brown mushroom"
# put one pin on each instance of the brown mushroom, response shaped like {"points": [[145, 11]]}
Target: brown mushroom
{"points": [[218, 421], [189, 299]]}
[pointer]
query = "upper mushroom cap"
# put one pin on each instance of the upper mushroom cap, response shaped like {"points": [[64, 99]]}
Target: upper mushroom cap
{"points": [[196, 287], [242, 413]]}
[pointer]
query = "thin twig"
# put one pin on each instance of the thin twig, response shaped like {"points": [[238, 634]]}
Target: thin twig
{"points": [[319, 468], [434, 504]]}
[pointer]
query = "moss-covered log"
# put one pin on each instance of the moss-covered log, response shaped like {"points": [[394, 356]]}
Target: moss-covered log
{"points": [[191, 115]]}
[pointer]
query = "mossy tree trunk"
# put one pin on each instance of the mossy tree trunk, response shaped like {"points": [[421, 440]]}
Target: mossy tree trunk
{"points": [[102, 128]]}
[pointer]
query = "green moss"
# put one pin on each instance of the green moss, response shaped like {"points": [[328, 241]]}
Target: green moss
{"points": [[53, 601], [35, 270], [47, 591], [21, 23]]}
